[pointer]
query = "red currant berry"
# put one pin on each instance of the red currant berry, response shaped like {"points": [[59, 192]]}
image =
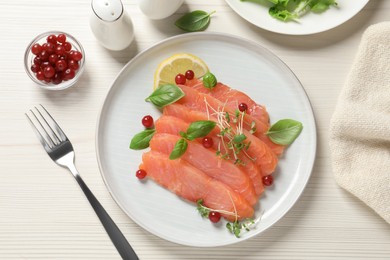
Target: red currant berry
{"points": [[57, 79], [69, 74], [189, 74], [77, 56], [61, 38], [35, 68], [268, 180], [214, 216], [49, 72], [60, 50], [147, 121], [49, 47], [74, 65], [52, 39], [37, 60], [44, 55], [36, 49], [140, 174], [40, 75], [61, 65], [44, 64], [242, 107], [53, 58], [67, 46], [180, 79], [207, 142]]}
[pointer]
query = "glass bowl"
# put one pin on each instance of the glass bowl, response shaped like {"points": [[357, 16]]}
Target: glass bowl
{"points": [[61, 79]]}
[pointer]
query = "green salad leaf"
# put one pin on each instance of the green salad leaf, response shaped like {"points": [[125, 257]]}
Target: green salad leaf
{"points": [[290, 10]]}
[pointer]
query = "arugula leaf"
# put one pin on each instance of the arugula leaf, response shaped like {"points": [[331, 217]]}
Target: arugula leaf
{"points": [[285, 131], [194, 21], [141, 140], [165, 95], [179, 149], [290, 10]]}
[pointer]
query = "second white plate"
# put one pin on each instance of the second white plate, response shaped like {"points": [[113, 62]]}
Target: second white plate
{"points": [[257, 14]]}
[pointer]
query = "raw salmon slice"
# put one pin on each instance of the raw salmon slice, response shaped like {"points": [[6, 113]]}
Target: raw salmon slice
{"points": [[232, 98], [258, 151], [206, 103], [173, 125], [206, 160], [192, 184], [220, 100]]}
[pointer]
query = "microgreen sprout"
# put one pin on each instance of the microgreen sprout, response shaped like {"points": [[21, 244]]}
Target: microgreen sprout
{"points": [[232, 138], [237, 226]]}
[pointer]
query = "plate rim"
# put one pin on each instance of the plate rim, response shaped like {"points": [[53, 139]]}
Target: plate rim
{"points": [[239, 13], [183, 37]]}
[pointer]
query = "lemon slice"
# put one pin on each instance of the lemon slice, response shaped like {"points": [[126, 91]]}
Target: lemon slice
{"points": [[178, 63]]}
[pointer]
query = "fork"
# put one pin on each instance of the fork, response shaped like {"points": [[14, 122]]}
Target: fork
{"points": [[60, 150]]}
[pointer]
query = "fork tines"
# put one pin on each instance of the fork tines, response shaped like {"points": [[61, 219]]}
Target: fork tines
{"points": [[48, 131]]}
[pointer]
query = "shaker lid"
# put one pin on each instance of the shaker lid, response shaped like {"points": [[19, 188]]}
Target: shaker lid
{"points": [[107, 10]]}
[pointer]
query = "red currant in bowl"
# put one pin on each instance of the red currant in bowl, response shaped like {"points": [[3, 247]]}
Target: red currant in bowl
{"points": [[54, 60]]}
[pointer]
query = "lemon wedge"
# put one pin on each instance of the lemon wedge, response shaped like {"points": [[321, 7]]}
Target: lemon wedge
{"points": [[178, 63]]}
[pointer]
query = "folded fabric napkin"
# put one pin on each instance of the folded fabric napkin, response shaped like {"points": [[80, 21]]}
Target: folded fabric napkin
{"points": [[360, 126]]}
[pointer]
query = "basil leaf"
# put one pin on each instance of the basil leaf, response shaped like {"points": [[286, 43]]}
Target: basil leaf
{"points": [[165, 95], [209, 80], [179, 149], [195, 21], [141, 140], [285, 131], [199, 128]]}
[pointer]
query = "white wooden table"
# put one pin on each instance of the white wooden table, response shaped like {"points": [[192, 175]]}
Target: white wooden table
{"points": [[44, 214]]}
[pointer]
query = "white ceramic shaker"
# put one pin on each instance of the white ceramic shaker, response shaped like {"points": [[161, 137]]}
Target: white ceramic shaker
{"points": [[111, 25], [159, 9]]}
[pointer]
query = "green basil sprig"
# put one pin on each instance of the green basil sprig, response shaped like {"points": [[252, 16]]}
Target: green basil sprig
{"points": [[196, 129], [199, 128], [209, 80], [179, 149], [285, 131], [194, 21], [141, 140], [165, 95]]}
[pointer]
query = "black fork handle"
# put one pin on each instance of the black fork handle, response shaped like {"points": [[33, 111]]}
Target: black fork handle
{"points": [[116, 236]]}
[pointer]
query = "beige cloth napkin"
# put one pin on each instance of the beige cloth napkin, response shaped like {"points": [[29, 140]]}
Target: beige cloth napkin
{"points": [[360, 126]]}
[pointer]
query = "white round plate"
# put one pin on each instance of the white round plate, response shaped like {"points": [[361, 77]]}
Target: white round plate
{"points": [[256, 12], [241, 64]]}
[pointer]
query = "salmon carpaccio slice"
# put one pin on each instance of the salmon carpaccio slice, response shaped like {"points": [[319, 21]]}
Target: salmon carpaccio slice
{"points": [[232, 98], [205, 160], [226, 98], [173, 125], [258, 151], [192, 184]]}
